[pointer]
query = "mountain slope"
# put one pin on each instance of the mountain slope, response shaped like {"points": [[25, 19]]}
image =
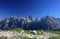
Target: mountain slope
{"points": [[28, 22]]}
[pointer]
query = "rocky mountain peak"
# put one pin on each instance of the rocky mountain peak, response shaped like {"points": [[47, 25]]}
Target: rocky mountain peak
{"points": [[28, 22]]}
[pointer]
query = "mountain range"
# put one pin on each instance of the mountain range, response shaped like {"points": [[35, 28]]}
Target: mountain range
{"points": [[30, 23]]}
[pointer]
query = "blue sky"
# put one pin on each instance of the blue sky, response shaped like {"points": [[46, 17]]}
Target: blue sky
{"points": [[34, 8]]}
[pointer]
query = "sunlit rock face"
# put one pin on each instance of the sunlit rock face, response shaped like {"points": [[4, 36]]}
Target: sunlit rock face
{"points": [[28, 22]]}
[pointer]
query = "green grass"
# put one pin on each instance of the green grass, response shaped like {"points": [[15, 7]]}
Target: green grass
{"points": [[17, 29], [28, 31], [54, 38], [39, 32], [56, 32], [27, 37]]}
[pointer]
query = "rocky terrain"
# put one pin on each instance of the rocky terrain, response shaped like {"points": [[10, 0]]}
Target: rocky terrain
{"points": [[22, 34], [30, 23]]}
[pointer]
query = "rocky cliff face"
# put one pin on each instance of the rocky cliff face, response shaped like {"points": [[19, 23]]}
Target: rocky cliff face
{"points": [[28, 22]]}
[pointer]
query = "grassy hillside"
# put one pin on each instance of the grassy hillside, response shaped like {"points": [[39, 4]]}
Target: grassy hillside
{"points": [[54, 38]]}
